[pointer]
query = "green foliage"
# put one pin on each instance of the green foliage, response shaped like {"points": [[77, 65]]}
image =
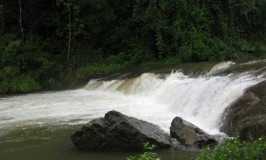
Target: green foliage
{"points": [[8, 52], [247, 17], [120, 58], [25, 67], [97, 69], [229, 149], [111, 35], [202, 47], [233, 149], [138, 53], [11, 81], [83, 56], [147, 155]]}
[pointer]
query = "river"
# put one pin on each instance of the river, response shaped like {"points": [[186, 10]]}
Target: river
{"points": [[38, 126]]}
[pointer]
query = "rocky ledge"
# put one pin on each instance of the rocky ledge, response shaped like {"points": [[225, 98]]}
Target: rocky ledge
{"points": [[190, 135], [246, 118], [117, 132]]}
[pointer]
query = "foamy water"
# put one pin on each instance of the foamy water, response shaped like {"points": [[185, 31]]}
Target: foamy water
{"points": [[151, 97]]}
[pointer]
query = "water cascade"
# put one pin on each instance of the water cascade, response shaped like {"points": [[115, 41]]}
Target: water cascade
{"points": [[156, 98]]}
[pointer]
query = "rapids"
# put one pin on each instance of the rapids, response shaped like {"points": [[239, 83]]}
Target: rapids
{"points": [[154, 97]]}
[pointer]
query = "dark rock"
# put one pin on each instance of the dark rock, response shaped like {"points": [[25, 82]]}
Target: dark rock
{"points": [[246, 118], [116, 132], [189, 135]]}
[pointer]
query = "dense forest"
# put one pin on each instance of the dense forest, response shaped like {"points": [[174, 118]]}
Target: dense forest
{"points": [[46, 43]]}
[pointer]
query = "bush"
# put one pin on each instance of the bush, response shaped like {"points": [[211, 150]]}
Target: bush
{"points": [[138, 52], [84, 55], [120, 58], [200, 46], [11, 81], [229, 149], [233, 149], [148, 154], [25, 66]]}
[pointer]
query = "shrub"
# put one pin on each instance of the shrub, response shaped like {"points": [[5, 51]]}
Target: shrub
{"points": [[147, 155], [233, 149], [200, 46], [25, 66], [12, 81]]}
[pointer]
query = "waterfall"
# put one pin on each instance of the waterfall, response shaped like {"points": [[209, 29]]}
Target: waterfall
{"points": [[153, 97], [201, 100]]}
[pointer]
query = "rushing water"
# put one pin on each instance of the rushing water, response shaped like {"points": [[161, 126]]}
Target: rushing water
{"points": [[37, 126]]}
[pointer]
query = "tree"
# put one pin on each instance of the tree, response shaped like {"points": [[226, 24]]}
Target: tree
{"points": [[20, 20], [73, 27], [2, 19], [69, 30]]}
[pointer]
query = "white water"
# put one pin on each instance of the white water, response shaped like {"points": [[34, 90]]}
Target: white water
{"points": [[154, 98], [220, 66]]}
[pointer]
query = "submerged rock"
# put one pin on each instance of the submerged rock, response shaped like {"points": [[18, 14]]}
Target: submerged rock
{"points": [[189, 135], [116, 132], [246, 118]]}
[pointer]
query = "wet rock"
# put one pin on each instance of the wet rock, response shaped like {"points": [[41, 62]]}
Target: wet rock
{"points": [[189, 135], [116, 132], [246, 118]]}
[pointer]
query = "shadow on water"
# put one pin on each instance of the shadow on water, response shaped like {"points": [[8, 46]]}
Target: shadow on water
{"points": [[53, 143]]}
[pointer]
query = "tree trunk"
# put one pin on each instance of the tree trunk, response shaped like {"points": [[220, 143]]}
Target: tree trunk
{"points": [[227, 11], [2, 20], [20, 20], [69, 31]]}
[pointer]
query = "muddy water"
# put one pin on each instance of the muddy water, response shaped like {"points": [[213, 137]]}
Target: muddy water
{"points": [[53, 143]]}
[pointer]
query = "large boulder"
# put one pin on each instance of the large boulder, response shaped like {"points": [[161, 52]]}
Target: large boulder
{"points": [[246, 118], [189, 135], [116, 132]]}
